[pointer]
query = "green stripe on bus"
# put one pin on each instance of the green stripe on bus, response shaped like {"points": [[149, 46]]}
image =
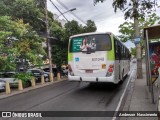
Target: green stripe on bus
{"points": [[110, 54], [70, 56]]}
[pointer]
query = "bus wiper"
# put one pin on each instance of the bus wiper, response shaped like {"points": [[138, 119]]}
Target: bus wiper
{"points": [[90, 51], [87, 52]]}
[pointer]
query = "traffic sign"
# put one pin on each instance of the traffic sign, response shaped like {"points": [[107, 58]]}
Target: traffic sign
{"points": [[137, 40]]}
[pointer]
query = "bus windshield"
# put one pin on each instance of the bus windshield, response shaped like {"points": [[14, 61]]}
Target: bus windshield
{"points": [[91, 43]]}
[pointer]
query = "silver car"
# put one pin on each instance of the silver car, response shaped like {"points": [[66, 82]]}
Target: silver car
{"points": [[9, 77], [2, 85]]}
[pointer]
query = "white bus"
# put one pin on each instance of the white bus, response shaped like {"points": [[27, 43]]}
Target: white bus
{"points": [[97, 57]]}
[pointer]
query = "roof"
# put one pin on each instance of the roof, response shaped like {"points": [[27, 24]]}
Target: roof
{"points": [[153, 32]]}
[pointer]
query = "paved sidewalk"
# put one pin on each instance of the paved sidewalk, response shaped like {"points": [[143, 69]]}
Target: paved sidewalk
{"points": [[38, 85], [139, 98]]}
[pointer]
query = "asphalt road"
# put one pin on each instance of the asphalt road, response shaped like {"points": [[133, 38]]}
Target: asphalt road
{"points": [[67, 96]]}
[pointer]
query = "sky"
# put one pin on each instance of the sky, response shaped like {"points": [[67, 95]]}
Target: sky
{"points": [[102, 14]]}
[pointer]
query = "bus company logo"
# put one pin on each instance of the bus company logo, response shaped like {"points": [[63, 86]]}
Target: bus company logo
{"points": [[77, 59], [6, 114]]}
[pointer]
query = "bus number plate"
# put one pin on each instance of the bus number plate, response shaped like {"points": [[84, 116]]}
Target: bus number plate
{"points": [[89, 71]]}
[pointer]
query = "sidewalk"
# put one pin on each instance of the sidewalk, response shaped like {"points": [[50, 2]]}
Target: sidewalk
{"points": [[38, 85], [139, 98]]}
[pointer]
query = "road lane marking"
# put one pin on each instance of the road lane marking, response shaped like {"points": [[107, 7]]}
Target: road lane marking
{"points": [[121, 98]]}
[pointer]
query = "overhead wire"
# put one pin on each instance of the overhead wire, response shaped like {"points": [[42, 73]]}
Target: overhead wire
{"points": [[70, 12], [58, 10]]}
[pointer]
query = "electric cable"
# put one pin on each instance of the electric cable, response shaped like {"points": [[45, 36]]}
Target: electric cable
{"points": [[70, 12], [58, 10]]}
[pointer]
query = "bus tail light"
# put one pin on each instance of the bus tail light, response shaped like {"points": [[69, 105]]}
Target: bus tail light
{"points": [[110, 70], [70, 70]]}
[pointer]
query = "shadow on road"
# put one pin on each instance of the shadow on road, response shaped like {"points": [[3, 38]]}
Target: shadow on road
{"points": [[103, 86]]}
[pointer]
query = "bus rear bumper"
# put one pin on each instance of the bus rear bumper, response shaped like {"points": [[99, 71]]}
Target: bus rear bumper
{"points": [[92, 79]]}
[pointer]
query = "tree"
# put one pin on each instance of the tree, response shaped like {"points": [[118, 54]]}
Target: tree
{"points": [[127, 28], [133, 51], [72, 28], [90, 27], [143, 7], [135, 9], [32, 12], [59, 46], [28, 10], [18, 41]]}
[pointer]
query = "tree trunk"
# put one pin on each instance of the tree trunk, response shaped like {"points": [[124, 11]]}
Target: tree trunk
{"points": [[138, 46]]}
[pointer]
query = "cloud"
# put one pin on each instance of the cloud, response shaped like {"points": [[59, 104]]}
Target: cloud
{"points": [[102, 13]]}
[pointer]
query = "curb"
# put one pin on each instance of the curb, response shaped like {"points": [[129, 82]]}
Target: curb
{"points": [[16, 92]]}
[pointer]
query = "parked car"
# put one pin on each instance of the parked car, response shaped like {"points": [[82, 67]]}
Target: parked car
{"points": [[2, 85], [37, 73], [10, 77], [54, 70]]}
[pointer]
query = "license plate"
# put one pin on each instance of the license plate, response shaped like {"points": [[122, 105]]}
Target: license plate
{"points": [[89, 71]]}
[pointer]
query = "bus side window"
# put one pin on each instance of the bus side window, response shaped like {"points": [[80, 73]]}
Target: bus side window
{"points": [[117, 49], [119, 53], [124, 53]]}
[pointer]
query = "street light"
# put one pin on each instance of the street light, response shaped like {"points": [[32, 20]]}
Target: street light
{"points": [[66, 12]]}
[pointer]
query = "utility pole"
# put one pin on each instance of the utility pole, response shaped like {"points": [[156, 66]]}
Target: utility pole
{"points": [[48, 43], [138, 46]]}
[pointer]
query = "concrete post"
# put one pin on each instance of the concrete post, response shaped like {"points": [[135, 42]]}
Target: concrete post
{"points": [[51, 77], [33, 82], [20, 86], [58, 76], [8, 90], [42, 79]]}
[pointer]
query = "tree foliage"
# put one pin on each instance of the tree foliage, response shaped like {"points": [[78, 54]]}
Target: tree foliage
{"points": [[127, 28], [90, 27], [27, 10], [20, 23], [133, 51], [18, 40], [143, 7]]}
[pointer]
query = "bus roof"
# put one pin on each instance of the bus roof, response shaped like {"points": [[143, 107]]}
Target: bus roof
{"points": [[91, 33]]}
